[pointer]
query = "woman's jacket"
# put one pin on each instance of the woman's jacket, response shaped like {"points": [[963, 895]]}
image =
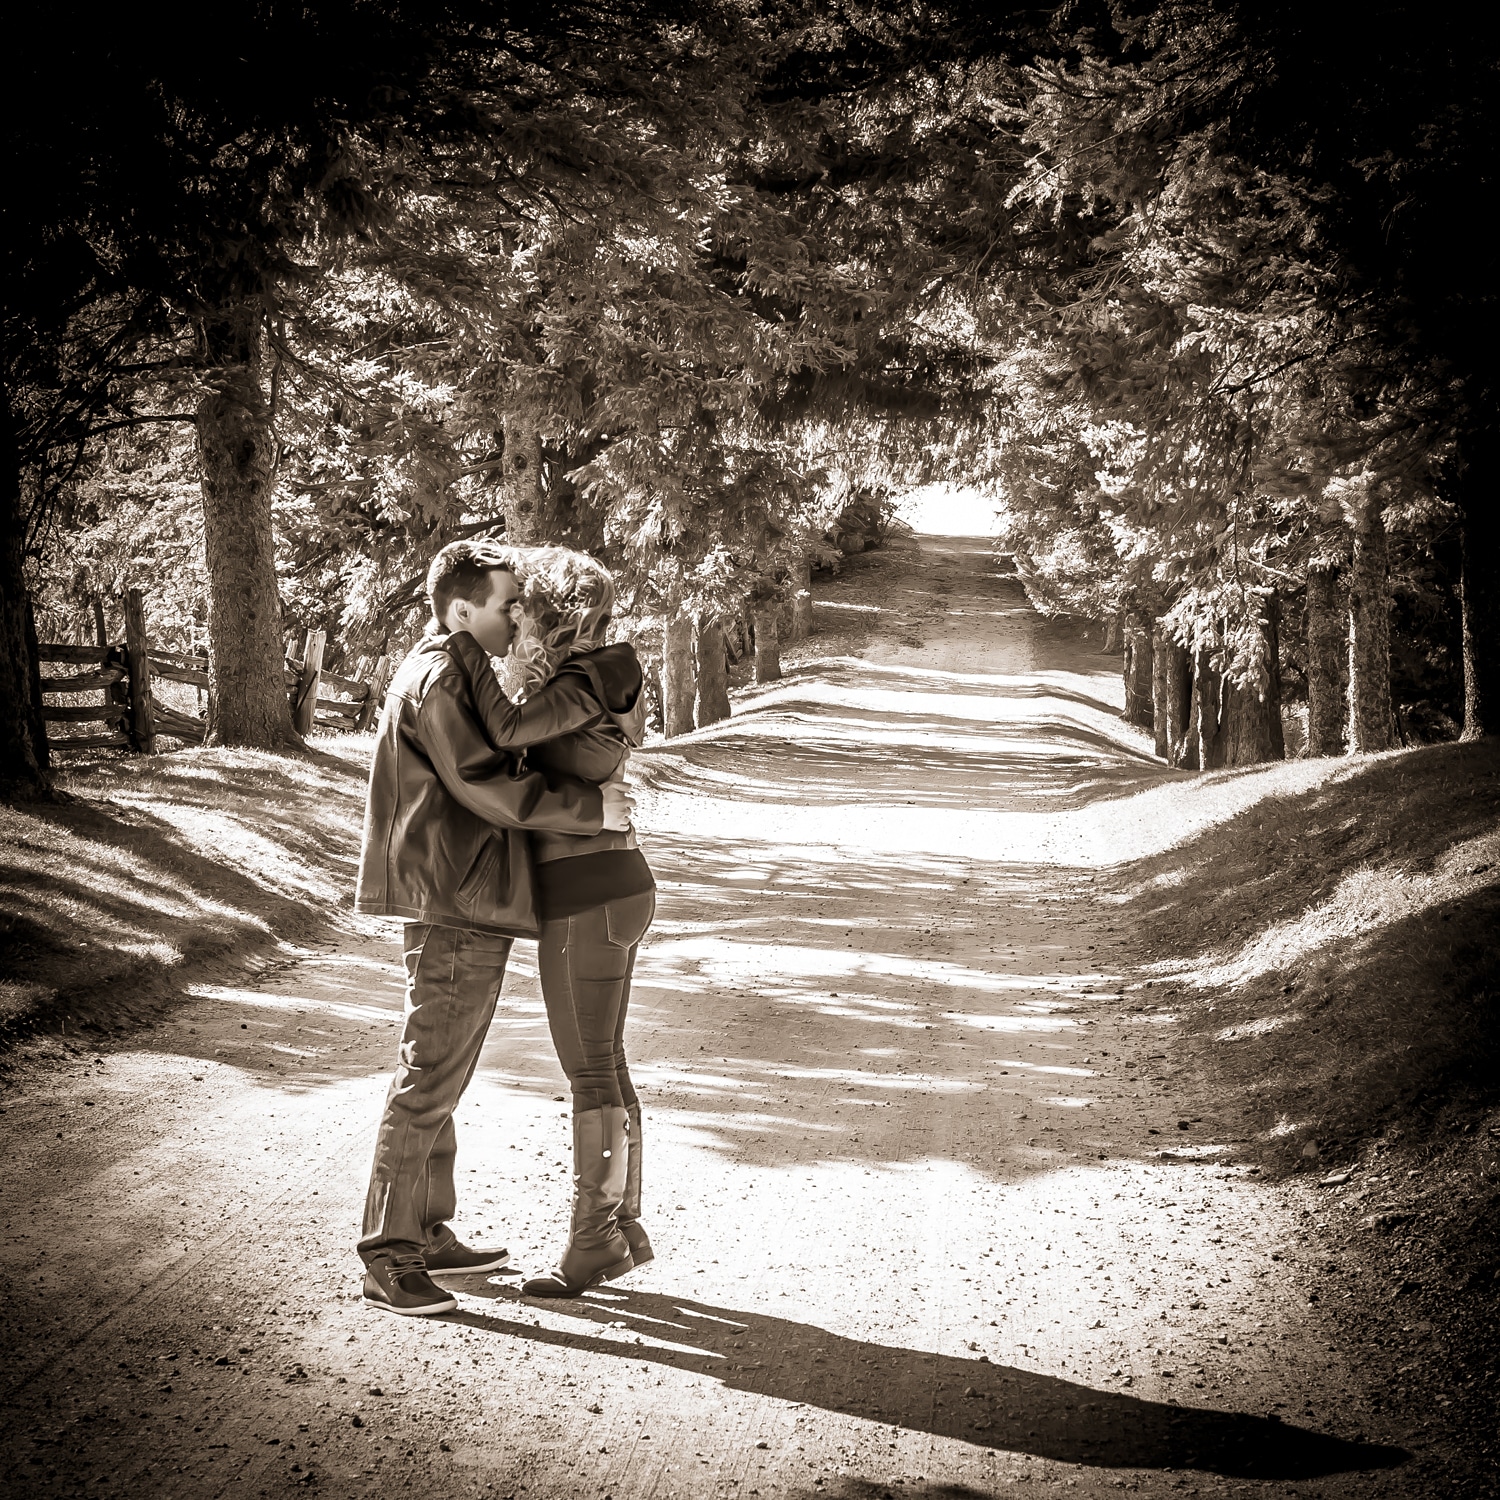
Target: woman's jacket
{"points": [[604, 689]]}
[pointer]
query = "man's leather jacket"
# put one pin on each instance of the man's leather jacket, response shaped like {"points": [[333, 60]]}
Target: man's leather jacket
{"points": [[444, 803]]}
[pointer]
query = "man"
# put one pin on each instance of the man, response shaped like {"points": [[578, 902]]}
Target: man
{"points": [[443, 849]]}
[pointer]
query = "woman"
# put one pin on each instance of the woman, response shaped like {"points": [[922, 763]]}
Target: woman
{"points": [[595, 895]]}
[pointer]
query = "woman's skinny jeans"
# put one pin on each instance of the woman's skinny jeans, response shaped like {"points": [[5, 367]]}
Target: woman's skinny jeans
{"points": [[585, 963]]}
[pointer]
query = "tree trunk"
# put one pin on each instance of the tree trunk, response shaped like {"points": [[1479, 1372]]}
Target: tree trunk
{"points": [[1160, 690], [1246, 734], [767, 642], [1112, 635], [1251, 716], [1327, 710], [802, 601], [1191, 758], [1138, 670], [1370, 722], [247, 702], [1172, 697], [1272, 627], [1205, 726], [713, 676], [521, 495], [24, 757], [1479, 601], [677, 675]]}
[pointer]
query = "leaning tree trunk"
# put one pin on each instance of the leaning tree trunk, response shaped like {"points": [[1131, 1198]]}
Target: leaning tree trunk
{"points": [[1370, 718], [1327, 710], [247, 701], [521, 496], [1204, 729], [767, 640], [713, 675], [24, 756], [1138, 670], [23, 735], [677, 674], [736, 637], [1479, 601]]}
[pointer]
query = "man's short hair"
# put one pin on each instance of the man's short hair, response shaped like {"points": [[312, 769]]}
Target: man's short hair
{"points": [[462, 571]]}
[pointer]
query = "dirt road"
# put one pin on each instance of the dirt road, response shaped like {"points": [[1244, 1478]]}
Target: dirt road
{"points": [[938, 1209]]}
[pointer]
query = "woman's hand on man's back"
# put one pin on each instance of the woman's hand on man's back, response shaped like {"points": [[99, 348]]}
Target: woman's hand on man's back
{"points": [[619, 806]]}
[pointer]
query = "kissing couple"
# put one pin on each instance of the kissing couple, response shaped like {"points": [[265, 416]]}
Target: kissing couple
{"points": [[490, 818]]}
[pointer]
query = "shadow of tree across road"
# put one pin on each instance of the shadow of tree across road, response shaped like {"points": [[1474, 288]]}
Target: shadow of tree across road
{"points": [[992, 1406], [775, 1015], [1061, 683]]}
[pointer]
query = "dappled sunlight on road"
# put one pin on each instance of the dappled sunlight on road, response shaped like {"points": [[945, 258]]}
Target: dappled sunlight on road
{"points": [[859, 761]]}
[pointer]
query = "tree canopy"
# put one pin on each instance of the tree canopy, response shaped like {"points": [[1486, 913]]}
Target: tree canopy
{"points": [[1199, 291]]}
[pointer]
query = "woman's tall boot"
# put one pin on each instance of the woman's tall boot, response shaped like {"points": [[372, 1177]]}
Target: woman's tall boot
{"points": [[630, 1207], [597, 1250]]}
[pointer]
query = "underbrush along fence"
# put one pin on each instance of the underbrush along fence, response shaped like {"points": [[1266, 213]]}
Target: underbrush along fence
{"points": [[133, 714]]}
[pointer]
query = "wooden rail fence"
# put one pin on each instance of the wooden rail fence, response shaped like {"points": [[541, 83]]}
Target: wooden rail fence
{"points": [[133, 715]]}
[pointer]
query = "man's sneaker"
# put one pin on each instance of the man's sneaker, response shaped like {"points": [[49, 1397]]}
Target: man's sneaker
{"points": [[399, 1284], [451, 1257]]}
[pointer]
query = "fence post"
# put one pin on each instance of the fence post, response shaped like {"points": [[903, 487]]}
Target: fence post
{"points": [[305, 701], [142, 723], [379, 679]]}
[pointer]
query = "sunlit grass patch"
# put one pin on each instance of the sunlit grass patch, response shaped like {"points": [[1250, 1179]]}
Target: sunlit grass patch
{"points": [[1365, 902], [1258, 1027]]}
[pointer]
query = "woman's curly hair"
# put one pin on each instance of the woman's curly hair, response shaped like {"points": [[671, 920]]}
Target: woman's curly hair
{"points": [[566, 600]]}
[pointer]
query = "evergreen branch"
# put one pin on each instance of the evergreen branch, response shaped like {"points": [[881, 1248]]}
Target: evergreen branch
{"points": [[141, 421]]}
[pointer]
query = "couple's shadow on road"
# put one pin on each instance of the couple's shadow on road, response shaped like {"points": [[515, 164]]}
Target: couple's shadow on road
{"points": [[992, 1406]]}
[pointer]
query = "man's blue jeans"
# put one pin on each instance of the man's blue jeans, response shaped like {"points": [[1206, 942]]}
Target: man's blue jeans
{"points": [[453, 980]]}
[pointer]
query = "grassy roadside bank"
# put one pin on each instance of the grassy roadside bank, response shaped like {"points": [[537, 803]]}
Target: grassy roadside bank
{"points": [[1332, 959], [151, 870]]}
